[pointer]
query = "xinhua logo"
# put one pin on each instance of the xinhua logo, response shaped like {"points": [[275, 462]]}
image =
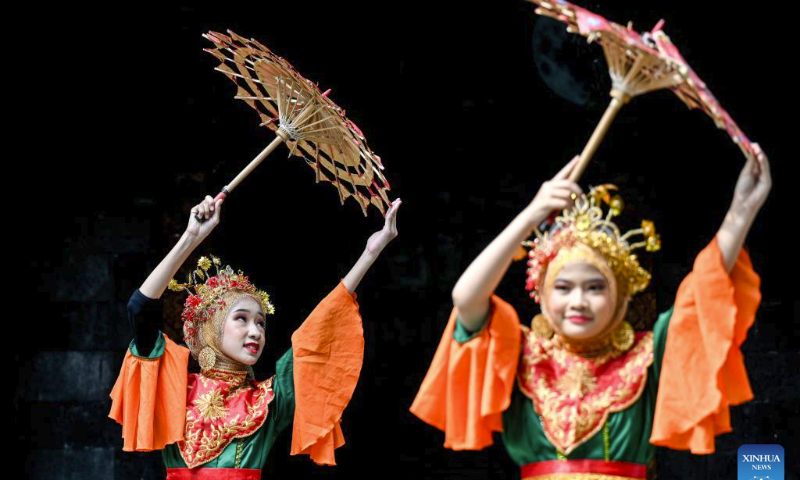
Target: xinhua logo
{"points": [[760, 462]]}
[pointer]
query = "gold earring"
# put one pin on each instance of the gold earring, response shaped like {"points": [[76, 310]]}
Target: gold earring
{"points": [[622, 337], [207, 358], [541, 327]]}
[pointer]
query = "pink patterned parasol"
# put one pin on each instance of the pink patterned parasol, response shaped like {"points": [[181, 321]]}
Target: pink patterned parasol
{"points": [[638, 64]]}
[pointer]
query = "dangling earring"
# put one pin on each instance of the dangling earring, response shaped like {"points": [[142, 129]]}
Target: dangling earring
{"points": [[207, 358], [250, 372], [622, 337], [541, 327]]}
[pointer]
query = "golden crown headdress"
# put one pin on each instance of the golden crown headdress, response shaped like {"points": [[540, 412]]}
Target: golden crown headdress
{"points": [[585, 222], [206, 293]]}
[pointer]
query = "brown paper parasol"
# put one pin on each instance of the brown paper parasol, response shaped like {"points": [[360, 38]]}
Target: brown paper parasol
{"points": [[312, 126]]}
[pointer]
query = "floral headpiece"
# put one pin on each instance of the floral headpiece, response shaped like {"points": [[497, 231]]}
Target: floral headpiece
{"points": [[208, 293], [586, 223]]}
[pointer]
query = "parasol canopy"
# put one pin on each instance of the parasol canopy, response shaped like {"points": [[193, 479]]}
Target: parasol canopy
{"points": [[311, 124], [638, 64]]}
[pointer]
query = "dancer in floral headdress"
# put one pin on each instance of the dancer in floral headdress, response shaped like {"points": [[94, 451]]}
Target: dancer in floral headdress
{"points": [[222, 422], [580, 394]]}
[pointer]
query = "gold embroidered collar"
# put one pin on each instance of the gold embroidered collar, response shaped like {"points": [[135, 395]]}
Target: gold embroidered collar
{"points": [[221, 405], [234, 378], [573, 394]]}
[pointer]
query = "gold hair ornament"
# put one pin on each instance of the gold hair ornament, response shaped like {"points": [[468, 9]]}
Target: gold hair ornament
{"points": [[586, 223], [206, 293]]}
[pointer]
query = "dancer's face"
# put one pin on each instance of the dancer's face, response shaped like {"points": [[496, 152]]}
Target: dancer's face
{"points": [[579, 303], [244, 331]]}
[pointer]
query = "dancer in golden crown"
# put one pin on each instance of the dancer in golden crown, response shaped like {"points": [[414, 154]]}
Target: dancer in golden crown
{"points": [[580, 394], [222, 422]]}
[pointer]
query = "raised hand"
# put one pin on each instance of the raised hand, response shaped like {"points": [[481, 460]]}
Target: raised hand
{"points": [[204, 217], [202, 220], [752, 187], [382, 237], [554, 195], [375, 245], [754, 183]]}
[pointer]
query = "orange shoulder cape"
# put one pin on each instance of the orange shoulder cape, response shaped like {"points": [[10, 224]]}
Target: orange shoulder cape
{"points": [[328, 351], [703, 370], [149, 398], [468, 386]]}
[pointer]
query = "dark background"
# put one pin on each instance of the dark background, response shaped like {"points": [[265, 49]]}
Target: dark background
{"points": [[130, 126]]}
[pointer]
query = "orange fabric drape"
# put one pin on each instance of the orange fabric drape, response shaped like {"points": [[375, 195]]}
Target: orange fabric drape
{"points": [[149, 398], [469, 385], [703, 370], [328, 351]]}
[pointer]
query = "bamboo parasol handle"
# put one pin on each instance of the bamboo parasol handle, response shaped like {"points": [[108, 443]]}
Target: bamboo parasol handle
{"points": [[597, 136], [618, 99], [280, 137]]}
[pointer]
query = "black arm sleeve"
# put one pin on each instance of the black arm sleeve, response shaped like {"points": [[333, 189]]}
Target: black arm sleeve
{"points": [[144, 317]]}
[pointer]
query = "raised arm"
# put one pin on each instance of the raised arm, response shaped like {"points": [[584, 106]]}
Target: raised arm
{"points": [[327, 355], [714, 308], [473, 290], [196, 231], [375, 245], [144, 309], [149, 396], [751, 191]]}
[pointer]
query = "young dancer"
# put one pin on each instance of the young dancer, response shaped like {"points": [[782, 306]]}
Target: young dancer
{"points": [[580, 394], [222, 422]]}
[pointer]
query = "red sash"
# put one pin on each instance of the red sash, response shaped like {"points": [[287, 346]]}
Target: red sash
{"points": [[615, 469], [213, 474]]}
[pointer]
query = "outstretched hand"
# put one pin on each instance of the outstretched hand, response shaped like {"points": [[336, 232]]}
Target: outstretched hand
{"points": [[752, 187], [375, 245], [754, 183], [382, 237]]}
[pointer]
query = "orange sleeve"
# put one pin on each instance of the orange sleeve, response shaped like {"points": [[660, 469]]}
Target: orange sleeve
{"points": [[149, 398], [703, 370], [469, 384], [328, 351]]}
